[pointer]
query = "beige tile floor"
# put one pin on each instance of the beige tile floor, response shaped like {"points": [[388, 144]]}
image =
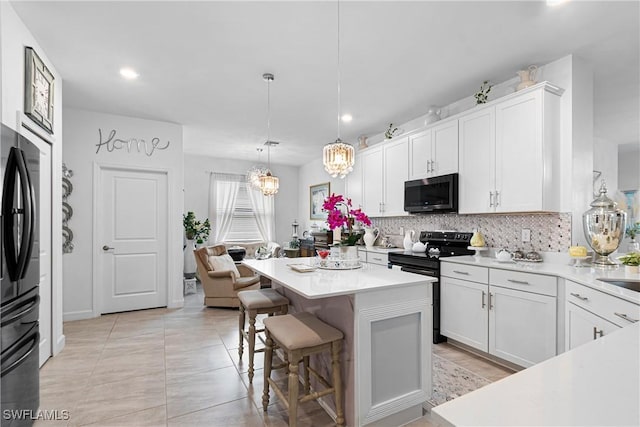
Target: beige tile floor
{"points": [[175, 367]]}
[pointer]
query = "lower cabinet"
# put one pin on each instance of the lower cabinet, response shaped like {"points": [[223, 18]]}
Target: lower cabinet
{"points": [[512, 324], [522, 326], [591, 314], [582, 326]]}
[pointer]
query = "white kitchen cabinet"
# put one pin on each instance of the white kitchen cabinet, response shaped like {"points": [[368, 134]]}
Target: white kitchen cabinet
{"points": [[477, 161], [434, 151], [511, 315], [591, 314], [384, 171], [522, 326], [353, 184], [509, 154], [372, 181], [463, 312], [582, 326]]}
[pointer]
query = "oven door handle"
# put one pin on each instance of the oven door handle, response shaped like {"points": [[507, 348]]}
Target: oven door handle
{"points": [[419, 271]]}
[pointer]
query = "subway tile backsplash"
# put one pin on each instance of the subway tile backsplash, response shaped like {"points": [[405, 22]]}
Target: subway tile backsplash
{"points": [[550, 232]]}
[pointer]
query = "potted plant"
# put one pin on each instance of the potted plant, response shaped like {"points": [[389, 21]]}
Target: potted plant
{"points": [[482, 96], [631, 262], [293, 251], [194, 231], [341, 215], [631, 232]]}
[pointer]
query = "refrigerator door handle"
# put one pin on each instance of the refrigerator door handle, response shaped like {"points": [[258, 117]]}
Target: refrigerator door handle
{"points": [[33, 338], [8, 215], [24, 307], [29, 205]]}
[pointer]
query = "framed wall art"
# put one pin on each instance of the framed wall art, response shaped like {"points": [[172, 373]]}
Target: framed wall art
{"points": [[317, 194], [38, 90]]}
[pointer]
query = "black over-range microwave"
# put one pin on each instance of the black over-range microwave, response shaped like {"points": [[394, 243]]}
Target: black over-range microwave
{"points": [[438, 194]]}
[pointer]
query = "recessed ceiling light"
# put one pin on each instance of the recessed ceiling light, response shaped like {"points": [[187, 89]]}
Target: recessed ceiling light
{"points": [[346, 118], [128, 73], [555, 2]]}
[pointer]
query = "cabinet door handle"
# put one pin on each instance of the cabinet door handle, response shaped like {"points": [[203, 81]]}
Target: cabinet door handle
{"points": [[428, 165], [625, 317], [518, 282], [490, 305], [597, 333], [497, 201], [484, 304], [433, 165], [461, 272], [490, 199], [580, 297]]}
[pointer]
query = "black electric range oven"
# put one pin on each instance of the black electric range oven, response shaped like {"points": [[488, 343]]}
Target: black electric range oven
{"points": [[439, 244]]}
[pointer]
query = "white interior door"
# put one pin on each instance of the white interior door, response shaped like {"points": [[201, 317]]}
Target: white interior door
{"points": [[41, 177], [132, 239]]}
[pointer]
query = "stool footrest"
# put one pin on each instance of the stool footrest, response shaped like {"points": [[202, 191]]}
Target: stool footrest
{"points": [[283, 399], [315, 395], [319, 377]]}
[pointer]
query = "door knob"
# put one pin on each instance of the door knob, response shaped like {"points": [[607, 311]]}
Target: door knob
{"points": [[106, 248]]}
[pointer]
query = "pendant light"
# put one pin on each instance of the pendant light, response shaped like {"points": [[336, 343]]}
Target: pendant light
{"points": [[338, 156], [255, 172], [269, 184]]}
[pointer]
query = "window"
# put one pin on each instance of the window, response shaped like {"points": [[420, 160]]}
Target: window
{"points": [[242, 215], [244, 225]]}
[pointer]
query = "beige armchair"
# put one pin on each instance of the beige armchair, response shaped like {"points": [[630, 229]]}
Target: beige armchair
{"points": [[221, 286]]}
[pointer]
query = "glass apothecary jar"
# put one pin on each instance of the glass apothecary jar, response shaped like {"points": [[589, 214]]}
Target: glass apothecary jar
{"points": [[604, 226]]}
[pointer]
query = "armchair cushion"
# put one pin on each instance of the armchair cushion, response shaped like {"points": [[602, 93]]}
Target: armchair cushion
{"points": [[222, 263], [243, 282]]}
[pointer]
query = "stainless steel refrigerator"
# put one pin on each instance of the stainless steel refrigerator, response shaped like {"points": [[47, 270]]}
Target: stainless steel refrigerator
{"points": [[20, 275]]}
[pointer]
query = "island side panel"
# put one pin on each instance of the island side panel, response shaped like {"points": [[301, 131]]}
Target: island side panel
{"points": [[393, 354], [338, 312]]}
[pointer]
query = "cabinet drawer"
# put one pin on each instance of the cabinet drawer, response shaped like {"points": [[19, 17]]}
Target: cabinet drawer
{"points": [[377, 258], [529, 282], [465, 272], [615, 310]]}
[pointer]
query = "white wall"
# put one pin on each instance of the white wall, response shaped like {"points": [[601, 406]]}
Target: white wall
{"points": [[629, 169], [605, 162], [14, 37], [80, 139], [313, 173], [196, 189]]}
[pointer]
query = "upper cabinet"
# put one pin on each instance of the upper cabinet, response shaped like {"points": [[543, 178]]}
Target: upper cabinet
{"points": [[509, 154], [384, 171], [434, 151], [353, 183]]}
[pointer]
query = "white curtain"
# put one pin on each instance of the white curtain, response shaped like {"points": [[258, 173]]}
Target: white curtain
{"points": [[222, 201], [264, 210]]}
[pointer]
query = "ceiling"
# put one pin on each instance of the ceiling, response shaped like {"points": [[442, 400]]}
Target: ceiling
{"points": [[201, 63]]}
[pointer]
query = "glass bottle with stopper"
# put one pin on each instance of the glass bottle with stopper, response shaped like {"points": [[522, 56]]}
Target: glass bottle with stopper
{"points": [[604, 226]]}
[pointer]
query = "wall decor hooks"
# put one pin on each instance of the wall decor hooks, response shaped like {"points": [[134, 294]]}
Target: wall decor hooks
{"points": [[67, 210]]}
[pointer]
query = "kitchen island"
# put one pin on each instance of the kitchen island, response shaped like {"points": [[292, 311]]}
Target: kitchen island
{"points": [[385, 315]]}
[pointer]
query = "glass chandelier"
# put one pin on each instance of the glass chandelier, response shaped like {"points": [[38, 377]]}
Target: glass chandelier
{"points": [[255, 172], [269, 184], [338, 157]]}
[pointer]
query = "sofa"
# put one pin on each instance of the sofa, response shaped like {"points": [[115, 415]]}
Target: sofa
{"points": [[221, 278]]}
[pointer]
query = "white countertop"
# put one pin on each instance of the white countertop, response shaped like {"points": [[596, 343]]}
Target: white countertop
{"points": [[596, 384], [328, 283], [587, 276]]}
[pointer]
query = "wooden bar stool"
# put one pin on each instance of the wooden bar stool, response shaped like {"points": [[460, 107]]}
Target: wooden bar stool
{"points": [[300, 335], [263, 301]]}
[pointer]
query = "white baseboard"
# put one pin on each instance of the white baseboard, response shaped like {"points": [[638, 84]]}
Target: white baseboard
{"points": [[77, 315], [177, 303], [59, 345]]}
